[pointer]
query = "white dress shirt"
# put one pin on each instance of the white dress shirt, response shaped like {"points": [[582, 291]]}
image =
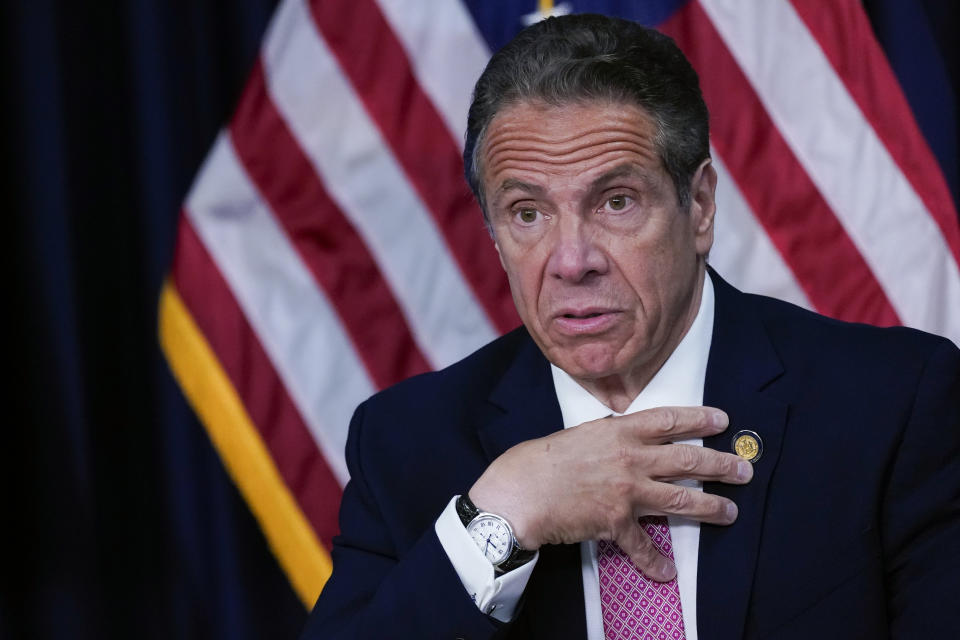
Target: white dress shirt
{"points": [[679, 382]]}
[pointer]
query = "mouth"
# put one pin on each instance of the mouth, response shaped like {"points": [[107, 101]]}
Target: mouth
{"points": [[584, 321], [584, 311]]}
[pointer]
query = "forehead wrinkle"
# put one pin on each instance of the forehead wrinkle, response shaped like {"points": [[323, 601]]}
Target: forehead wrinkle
{"points": [[527, 155], [522, 139], [553, 132], [620, 153], [526, 138]]}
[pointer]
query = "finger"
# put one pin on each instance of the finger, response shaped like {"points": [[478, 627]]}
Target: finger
{"points": [[640, 548], [663, 499], [677, 461], [668, 424]]}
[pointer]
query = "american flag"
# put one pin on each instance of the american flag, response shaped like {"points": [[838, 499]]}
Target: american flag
{"points": [[330, 247]]}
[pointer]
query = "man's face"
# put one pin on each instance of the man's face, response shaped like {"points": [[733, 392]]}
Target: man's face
{"points": [[604, 266]]}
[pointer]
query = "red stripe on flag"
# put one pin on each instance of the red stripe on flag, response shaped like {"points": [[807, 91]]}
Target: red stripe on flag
{"points": [[323, 237], [217, 314], [794, 214], [373, 58], [844, 33]]}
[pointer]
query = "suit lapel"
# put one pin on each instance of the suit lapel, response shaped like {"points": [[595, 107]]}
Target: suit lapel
{"points": [[523, 406], [741, 365]]}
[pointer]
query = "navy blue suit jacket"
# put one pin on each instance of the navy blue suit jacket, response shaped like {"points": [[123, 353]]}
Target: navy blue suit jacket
{"points": [[850, 527]]}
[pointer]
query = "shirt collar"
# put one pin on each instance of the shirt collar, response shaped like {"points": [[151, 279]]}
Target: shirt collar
{"points": [[679, 382]]}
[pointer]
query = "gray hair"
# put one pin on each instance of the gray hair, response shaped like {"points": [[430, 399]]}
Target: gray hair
{"points": [[586, 57]]}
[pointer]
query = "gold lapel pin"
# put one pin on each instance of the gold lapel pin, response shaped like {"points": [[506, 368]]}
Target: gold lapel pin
{"points": [[748, 445]]}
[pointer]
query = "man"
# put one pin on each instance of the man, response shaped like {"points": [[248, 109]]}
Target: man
{"points": [[521, 492]]}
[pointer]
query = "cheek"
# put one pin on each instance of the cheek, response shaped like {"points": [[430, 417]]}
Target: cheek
{"points": [[650, 272], [518, 274], [527, 288]]}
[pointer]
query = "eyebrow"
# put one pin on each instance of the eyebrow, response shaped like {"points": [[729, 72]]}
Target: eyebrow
{"points": [[620, 171], [512, 183], [598, 185]]}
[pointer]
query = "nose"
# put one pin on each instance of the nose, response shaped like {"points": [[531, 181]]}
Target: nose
{"points": [[576, 254]]}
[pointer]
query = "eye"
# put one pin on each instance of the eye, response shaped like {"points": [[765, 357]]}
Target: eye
{"points": [[618, 202], [527, 215]]}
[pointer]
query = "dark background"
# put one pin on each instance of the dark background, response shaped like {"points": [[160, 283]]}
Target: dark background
{"points": [[119, 519]]}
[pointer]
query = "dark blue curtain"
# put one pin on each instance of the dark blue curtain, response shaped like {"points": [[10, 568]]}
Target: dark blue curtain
{"points": [[920, 40], [119, 520]]}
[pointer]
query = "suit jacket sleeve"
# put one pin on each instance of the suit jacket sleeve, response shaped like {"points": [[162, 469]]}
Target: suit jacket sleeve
{"points": [[921, 513], [381, 590]]}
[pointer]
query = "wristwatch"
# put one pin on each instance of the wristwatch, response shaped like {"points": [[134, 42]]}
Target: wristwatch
{"points": [[493, 535]]}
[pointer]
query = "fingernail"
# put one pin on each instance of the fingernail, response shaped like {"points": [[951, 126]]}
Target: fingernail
{"points": [[732, 512], [720, 420], [744, 470], [666, 569]]}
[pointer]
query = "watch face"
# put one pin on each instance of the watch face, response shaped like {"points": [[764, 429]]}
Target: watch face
{"points": [[492, 536]]}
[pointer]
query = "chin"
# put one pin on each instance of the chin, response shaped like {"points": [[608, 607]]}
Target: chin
{"points": [[589, 362]]}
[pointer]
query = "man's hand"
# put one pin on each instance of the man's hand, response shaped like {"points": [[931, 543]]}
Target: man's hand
{"points": [[594, 481]]}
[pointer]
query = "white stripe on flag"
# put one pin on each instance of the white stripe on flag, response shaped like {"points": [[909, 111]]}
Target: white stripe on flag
{"points": [[294, 321], [841, 152], [742, 251], [446, 52], [363, 178]]}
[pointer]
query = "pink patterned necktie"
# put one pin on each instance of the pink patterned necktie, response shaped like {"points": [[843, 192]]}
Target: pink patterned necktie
{"points": [[635, 607]]}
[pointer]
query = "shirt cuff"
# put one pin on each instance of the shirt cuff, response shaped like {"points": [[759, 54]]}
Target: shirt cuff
{"points": [[496, 596]]}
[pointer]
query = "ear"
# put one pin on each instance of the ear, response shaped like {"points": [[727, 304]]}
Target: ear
{"points": [[703, 205]]}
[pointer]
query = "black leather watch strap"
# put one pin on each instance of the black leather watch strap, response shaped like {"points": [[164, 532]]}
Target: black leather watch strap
{"points": [[518, 558], [467, 511]]}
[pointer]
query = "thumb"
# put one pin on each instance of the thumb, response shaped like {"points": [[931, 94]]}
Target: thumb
{"points": [[638, 546]]}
